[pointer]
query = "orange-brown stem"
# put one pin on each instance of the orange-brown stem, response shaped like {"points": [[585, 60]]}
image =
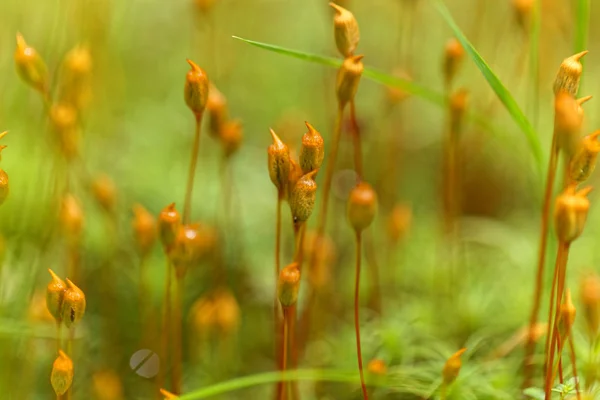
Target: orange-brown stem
{"points": [[356, 139], [187, 206], [277, 267], [356, 316], [165, 329], [284, 348], [177, 336], [539, 279], [574, 365], [371, 257], [550, 325]]}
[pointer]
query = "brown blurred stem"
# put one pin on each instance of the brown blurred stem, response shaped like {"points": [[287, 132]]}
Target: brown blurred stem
{"points": [[358, 164], [284, 347], [574, 365], [356, 316], [187, 207], [177, 333], [166, 323], [539, 280]]}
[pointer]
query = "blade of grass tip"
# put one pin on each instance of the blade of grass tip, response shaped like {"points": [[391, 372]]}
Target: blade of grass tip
{"points": [[377, 76], [503, 94], [272, 377], [582, 23]]}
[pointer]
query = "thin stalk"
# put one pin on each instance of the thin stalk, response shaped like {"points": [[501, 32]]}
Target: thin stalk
{"points": [[143, 296], [284, 348], [443, 391], [276, 321], [356, 139], [574, 365], [299, 231], [177, 337], [356, 316], [539, 280], [164, 339], [187, 208], [69, 393], [550, 326], [371, 257], [58, 336]]}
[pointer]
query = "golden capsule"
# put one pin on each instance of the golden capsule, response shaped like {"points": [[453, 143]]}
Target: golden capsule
{"points": [[570, 213], [288, 285], [71, 218], [377, 367], [566, 317], [4, 186], [62, 374], [453, 56], [232, 135], [196, 89], [73, 305], [303, 196], [399, 222], [278, 163], [568, 119], [63, 117], [227, 312], [192, 244], [584, 161], [345, 29], [312, 151], [55, 292], [362, 206], [30, 65], [144, 229], [216, 107], [348, 78], [452, 367], [569, 75], [458, 106], [75, 79], [203, 314], [522, 11], [105, 192], [169, 221]]}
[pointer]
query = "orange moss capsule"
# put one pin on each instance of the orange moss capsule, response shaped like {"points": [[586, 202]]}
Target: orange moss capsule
{"points": [[569, 75], [566, 317], [196, 89], [169, 221], [76, 74], [312, 151], [232, 135], [73, 305], [345, 30], [303, 196], [192, 244], [278, 162], [377, 367], [288, 285], [348, 78], [590, 299], [399, 222], [216, 106], [453, 56], [55, 293], [568, 119], [458, 106], [203, 314], [570, 213], [584, 161], [63, 117], [452, 367], [4, 186], [107, 385], [71, 218], [144, 229], [105, 192], [227, 312], [362, 206], [62, 373], [30, 65]]}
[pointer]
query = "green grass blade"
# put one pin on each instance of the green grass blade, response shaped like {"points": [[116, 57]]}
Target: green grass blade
{"points": [[272, 377], [503, 94]]}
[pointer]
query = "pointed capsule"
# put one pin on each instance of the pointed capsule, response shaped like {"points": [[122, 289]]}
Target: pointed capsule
{"points": [[583, 162], [231, 137], [169, 221], [192, 244], [345, 30], [569, 75], [452, 367], [30, 65], [566, 317], [73, 306], [312, 151], [71, 218], [278, 162], [348, 78], [216, 107], [144, 229], [568, 118], [453, 56], [55, 292], [62, 374], [590, 299], [399, 222], [570, 213], [196, 89], [362, 206], [303, 196], [288, 285], [105, 192]]}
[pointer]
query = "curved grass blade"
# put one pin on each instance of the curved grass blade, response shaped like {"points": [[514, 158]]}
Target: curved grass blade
{"points": [[389, 80], [272, 377], [503, 94]]}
